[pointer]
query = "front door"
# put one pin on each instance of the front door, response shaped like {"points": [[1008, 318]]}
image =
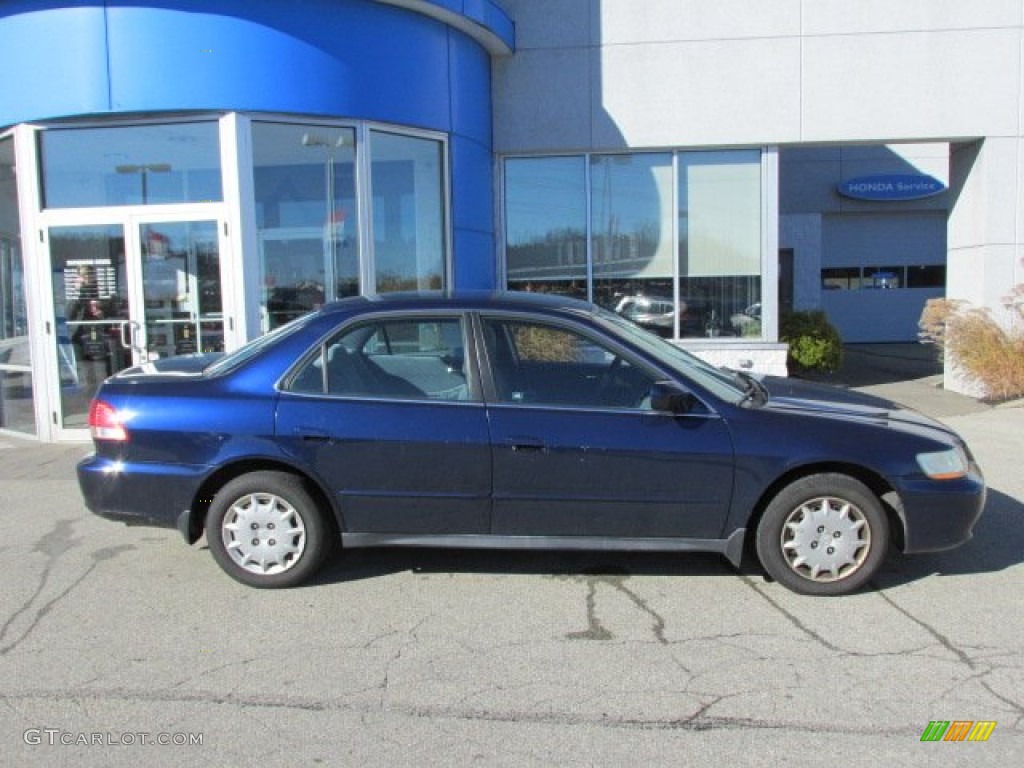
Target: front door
{"points": [[129, 292], [577, 450]]}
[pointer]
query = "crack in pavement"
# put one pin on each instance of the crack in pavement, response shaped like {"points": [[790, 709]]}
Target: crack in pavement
{"points": [[790, 617], [699, 721], [981, 671], [53, 545], [965, 658], [595, 629]]}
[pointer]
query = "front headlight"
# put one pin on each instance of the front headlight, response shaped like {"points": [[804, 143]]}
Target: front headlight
{"points": [[943, 465]]}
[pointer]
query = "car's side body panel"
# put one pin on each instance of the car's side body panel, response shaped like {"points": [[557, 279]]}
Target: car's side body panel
{"points": [[607, 472]]}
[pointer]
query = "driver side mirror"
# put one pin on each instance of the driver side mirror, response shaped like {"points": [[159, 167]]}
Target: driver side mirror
{"points": [[669, 397]]}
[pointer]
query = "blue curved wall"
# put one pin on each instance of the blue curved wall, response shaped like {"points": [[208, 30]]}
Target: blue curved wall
{"points": [[359, 59]]}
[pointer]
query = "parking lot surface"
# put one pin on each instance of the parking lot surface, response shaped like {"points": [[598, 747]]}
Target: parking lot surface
{"points": [[114, 640]]}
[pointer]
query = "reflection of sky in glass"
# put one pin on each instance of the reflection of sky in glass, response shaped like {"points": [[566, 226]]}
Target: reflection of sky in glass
{"points": [[631, 203], [631, 188], [292, 163], [408, 212], [131, 165], [544, 196]]}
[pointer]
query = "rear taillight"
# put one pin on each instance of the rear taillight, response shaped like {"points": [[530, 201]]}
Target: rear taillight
{"points": [[104, 423]]}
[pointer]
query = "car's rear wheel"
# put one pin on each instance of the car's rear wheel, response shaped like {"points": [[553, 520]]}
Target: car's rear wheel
{"points": [[823, 534], [265, 530]]}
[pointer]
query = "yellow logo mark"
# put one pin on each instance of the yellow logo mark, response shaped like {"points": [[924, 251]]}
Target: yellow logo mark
{"points": [[982, 730]]}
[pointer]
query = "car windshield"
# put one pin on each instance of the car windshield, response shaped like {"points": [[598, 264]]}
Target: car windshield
{"points": [[719, 382], [251, 349]]}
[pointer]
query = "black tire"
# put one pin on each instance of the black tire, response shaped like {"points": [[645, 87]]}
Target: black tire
{"points": [[823, 534], [265, 530]]}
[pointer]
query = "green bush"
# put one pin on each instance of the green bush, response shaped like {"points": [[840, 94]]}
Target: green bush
{"points": [[814, 343]]}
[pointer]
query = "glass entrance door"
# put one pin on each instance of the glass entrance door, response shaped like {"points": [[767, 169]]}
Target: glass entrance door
{"points": [[128, 293], [182, 308]]}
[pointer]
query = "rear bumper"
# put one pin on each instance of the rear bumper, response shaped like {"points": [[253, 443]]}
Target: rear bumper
{"points": [[138, 494], [940, 515]]}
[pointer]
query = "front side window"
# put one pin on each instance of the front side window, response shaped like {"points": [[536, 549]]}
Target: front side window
{"points": [[534, 363], [398, 359], [131, 165]]}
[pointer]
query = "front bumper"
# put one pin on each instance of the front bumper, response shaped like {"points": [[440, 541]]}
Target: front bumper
{"points": [[940, 514]]}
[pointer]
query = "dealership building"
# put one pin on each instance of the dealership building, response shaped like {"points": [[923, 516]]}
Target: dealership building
{"points": [[178, 177]]}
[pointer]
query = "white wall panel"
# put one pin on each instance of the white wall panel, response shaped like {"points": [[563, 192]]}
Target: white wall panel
{"points": [[910, 85], [988, 204], [691, 94], [657, 21], [846, 17]]}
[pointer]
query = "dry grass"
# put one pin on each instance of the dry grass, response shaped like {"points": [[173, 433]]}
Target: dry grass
{"points": [[987, 352]]}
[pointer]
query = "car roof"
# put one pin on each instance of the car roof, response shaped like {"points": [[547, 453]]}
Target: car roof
{"points": [[463, 300]]}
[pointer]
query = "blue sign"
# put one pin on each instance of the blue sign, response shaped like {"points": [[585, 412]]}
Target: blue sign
{"points": [[892, 186]]}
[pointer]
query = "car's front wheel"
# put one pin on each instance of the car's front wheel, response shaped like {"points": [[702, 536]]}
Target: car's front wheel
{"points": [[265, 530], [823, 534]]}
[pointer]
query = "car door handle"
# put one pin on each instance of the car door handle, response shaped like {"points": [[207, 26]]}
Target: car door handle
{"points": [[312, 435], [520, 445]]}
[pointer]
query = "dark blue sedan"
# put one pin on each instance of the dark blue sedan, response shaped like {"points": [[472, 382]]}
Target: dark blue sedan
{"points": [[516, 421]]}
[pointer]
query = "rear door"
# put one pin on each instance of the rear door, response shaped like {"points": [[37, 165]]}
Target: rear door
{"points": [[388, 413], [578, 450]]}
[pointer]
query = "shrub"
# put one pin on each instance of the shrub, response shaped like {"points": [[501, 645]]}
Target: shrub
{"points": [[814, 343], [985, 351]]}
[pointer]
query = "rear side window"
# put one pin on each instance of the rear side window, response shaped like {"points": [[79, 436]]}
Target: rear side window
{"points": [[248, 351], [418, 359]]}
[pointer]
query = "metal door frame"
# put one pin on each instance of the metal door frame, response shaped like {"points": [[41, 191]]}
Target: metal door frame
{"points": [[131, 219]]}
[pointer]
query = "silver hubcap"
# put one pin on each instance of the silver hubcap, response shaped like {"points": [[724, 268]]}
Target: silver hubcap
{"points": [[263, 534], [826, 539]]}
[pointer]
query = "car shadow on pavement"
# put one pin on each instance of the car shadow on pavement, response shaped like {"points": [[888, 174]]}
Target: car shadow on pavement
{"points": [[998, 544], [358, 564]]}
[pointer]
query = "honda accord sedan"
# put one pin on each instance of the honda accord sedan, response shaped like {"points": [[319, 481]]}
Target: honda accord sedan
{"points": [[516, 421]]}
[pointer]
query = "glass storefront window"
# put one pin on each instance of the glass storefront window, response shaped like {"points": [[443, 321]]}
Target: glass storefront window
{"points": [[407, 212], [631, 211], [17, 412], [130, 165], [720, 243], [306, 216], [675, 239], [546, 225]]}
